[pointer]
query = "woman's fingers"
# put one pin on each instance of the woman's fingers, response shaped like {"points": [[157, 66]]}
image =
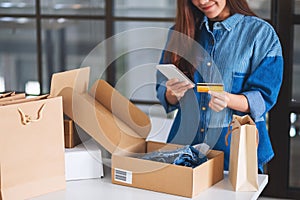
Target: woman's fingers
{"points": [[216, 107], [219, 100], [177, 87]]}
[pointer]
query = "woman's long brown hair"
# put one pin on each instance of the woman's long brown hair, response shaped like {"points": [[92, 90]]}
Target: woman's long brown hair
{"points": [[187, 19]]}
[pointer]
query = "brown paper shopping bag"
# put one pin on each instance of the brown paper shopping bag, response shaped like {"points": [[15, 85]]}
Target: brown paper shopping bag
{"points": [[31, 148], [243, 170]]}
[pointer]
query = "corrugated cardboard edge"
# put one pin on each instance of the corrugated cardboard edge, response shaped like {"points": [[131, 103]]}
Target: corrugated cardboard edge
{"points": [[155, 146]]}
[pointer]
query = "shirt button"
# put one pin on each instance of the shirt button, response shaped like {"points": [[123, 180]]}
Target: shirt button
{"points": [[208, 64], [202, 130], [203, 108]]}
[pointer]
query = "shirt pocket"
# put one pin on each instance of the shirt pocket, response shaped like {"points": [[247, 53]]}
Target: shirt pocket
{"points": [[238, 80]]}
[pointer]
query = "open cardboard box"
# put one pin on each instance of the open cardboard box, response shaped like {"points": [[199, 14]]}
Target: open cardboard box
{"points": [[120, 127], [162, 177]]}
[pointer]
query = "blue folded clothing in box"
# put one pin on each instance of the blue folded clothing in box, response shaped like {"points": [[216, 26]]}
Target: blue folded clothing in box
{"points": [[186, 156]]}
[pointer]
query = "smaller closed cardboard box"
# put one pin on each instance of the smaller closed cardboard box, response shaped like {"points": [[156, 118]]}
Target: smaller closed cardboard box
{"points": [[71, 136], [121, 128]]}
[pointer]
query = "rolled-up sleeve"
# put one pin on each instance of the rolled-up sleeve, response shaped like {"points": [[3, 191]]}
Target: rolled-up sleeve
{"points": [[263, 85]]}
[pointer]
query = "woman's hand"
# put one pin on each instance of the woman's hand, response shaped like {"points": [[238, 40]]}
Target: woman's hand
{"points": [[221, 100], [218, 101], [176, 90]]}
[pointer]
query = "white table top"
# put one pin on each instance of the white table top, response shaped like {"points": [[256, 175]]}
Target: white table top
{"points": [[95, 189]]}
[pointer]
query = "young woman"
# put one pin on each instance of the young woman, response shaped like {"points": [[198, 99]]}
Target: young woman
{"points": [[245, 53]]}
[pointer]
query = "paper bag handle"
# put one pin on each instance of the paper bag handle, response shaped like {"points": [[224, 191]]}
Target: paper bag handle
{"points": [[7, 94], [26, 119], [230, 131]]}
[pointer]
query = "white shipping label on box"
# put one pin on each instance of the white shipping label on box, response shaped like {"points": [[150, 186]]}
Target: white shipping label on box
{"points": [[123, 176]]}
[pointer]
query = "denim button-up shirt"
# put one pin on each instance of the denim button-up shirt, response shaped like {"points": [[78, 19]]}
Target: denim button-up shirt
{"points": [[246, 53]]}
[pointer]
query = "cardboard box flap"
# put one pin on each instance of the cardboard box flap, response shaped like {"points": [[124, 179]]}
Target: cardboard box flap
{"points": [[113, 130], [121, 107], [77, 80], [65, 83], [109, 131], [67, 94]]}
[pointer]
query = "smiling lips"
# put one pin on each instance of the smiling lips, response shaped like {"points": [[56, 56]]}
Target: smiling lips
{"points": [[207, 7]]}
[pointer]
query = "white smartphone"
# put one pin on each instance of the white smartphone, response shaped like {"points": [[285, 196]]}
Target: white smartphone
{"points": [[171, 71]]}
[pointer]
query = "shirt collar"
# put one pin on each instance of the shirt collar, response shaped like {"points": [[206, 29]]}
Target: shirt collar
{"points": [[228, 23]]}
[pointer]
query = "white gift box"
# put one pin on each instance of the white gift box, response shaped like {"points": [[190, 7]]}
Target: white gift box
{"points": [[83, 162]]}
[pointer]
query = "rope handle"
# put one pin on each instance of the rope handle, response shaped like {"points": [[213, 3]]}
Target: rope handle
{"points": [[230, 131], [26, 119]]}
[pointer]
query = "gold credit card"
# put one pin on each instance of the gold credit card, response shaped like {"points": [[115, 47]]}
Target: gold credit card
{"points": [[205, 87]]}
